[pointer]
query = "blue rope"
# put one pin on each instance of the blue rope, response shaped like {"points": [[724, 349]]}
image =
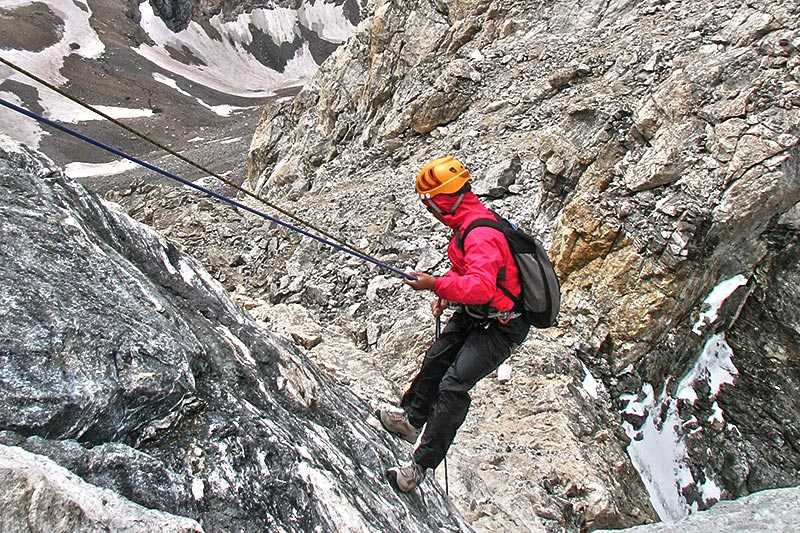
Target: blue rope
{"points": [[209, 192]]}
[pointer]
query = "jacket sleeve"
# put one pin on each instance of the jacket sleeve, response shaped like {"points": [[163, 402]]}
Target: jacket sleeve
{"points": [[478, 284]]}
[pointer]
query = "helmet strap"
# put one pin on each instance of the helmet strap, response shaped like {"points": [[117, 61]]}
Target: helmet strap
{"points": [[437, 211], [457, 204]]}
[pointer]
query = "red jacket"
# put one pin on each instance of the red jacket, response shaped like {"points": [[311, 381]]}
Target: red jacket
{"points": [[472, 278]]}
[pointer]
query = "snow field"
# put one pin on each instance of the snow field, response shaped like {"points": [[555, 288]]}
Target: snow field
{"points": [[48, 62], [659, 455], [326, 20], [223, 110], [226, 65], [223, 65], [18, 127]]}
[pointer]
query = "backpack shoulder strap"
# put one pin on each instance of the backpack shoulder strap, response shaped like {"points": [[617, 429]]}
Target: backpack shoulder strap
{"points": [[500, 225], [481, 222]]}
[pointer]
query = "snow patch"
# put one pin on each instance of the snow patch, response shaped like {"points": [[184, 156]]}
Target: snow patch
{"points": [[627, 370], [87, 170], [714, 365], [326, 20], [19, 127], [714, 301], [69, 111], [504, 373], [279, 23], [197, 488], [710, 490], [223, 110], [717, 414], [590, 384], [657, 450], [48, 63], [222, 62], [659, 454]]}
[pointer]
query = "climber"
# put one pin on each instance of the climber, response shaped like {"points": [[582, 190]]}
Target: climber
{"points": [[479, 336]]}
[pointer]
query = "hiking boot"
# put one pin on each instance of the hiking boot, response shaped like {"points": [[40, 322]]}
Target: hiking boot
{"points": [[396, 422], [406, 478]]}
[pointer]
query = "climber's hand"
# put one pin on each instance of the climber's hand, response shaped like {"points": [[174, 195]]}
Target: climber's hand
{"points": [[438, 305], [424, 282]]}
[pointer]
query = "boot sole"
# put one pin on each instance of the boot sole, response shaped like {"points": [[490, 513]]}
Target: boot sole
{"points": [[377, 414], [391, 476]]}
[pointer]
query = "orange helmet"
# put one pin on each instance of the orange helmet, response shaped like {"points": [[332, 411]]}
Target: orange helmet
{"points": [[445, 175]]}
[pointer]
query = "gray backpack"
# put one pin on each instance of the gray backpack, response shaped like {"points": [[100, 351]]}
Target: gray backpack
{"points": [[540, 299]]}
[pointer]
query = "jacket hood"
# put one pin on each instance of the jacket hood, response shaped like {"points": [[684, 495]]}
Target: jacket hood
{"points": [[471, 208]]}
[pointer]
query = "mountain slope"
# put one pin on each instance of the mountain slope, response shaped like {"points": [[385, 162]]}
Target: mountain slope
{"points": [[191, 74], [653, 148]]}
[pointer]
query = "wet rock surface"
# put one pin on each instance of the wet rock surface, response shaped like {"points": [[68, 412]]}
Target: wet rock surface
{"points": [[124, 362]]}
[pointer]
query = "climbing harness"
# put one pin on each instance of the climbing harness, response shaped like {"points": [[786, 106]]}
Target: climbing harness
{"points": [[504, 317], [218, 196], [172, 152]]}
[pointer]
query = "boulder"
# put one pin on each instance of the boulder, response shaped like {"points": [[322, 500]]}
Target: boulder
{"points": [[39, 495], [769, 510]]}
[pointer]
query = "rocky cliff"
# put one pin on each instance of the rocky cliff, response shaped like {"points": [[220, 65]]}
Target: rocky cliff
{"points": [[136, 396], [654, 148]]}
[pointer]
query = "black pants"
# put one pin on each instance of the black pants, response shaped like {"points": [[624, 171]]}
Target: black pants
{"points": [[467, 351]]}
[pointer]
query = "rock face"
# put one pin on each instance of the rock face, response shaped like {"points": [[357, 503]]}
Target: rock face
{"points": [[124, 362], [770, 510], [39, 495], [658, 159]]}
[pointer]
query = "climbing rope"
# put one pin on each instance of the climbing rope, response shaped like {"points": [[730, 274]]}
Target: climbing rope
{"points": [[218, 196], [172, 152], [438, 333]]}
